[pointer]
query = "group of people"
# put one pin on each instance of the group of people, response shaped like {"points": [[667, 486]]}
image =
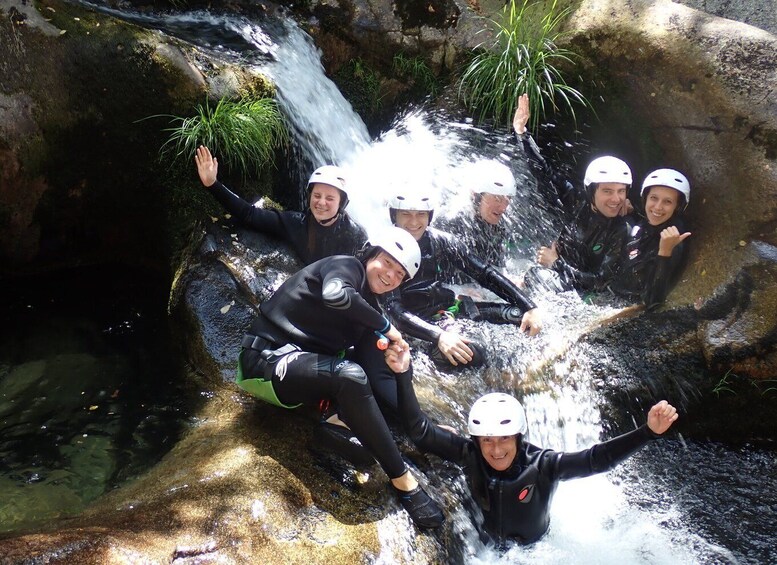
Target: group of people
{"points": [[334, 331]]}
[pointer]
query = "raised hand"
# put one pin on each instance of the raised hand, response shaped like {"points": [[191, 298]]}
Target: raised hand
{"points": [[670, 238], [546, 256], [661, 417], [207, 166], [521, 116]]}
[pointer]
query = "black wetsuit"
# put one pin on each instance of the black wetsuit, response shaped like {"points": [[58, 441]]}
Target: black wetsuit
{"points": [[644, 276], [590, 244], [310, 240], [489, 242], [516, 502], [292, 352], [413, 304]]}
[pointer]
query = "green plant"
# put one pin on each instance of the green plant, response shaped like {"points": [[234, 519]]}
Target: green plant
{"points": [[724, 385], [361, 85], [524, 58], [243, 133], [417, 71]]}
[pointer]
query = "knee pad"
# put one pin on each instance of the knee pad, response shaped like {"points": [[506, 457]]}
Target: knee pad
{"points": [[349, 370]]}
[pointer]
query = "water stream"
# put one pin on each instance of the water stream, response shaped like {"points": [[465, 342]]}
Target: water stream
{"points": [[675, 502]]}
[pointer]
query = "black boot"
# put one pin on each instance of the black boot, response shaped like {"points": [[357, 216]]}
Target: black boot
{"points": [[479, 357], [422, 509], [500, 314]]}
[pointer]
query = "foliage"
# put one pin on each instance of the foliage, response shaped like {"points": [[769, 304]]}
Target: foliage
{"points": [[361, 86], [724, 385], [243, 133], [524, 58], [417, 72]]}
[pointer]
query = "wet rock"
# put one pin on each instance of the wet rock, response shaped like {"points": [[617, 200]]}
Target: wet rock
{"points": [[738, 332], [220, 286]]}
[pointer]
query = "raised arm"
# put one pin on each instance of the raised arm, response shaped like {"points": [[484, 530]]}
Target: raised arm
{"points": [[605, 456]]}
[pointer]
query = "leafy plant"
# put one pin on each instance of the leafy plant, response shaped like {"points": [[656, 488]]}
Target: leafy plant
{"points": [[417, 71], [523, 58], [724, 385], [361, 85], [243, 133]]}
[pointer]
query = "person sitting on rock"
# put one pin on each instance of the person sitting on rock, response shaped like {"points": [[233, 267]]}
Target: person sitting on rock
{"points": [[655, 254], [419, 307], [511, 480], [586, 255], [297, 351], [323, 230]]}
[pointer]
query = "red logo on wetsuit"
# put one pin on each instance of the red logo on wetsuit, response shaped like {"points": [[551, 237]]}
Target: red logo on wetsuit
{"points": [[525, 495]]}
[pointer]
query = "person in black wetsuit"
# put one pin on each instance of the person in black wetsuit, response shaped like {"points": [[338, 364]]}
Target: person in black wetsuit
{"points": [[294, 351], [655, 254], [485, 230], [586, 255], [510, 479], [416, 304], [325, 229]]}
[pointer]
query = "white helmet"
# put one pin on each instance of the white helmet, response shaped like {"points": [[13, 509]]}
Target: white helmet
{"points": [[492, 177], [401, 246], [411, 201], [669, 178], [497, 414], [607, 169], [333, 176]]}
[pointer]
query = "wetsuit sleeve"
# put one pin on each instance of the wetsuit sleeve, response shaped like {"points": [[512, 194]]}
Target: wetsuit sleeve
{"points": [[602, 456], [407, 322], [266, 221], [489, 277], [424, 433], [340, 279], [665, 273], [558, 191], [594, 280]]}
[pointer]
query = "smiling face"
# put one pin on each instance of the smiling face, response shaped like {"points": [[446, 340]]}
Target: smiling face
{"points": [[324, 202], [660, 203], [492, 206], [499, 451], [384, 273], [414, 222], [609, 198]]}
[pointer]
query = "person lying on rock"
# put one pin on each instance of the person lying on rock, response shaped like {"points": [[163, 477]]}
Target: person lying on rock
{"points": [[424, 306], [654, 255], [297, 352], [324, 229], [586, 255], [511, 480]]}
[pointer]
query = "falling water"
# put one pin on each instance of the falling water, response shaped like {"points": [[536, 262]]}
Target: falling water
{"points": [[630, 515]]}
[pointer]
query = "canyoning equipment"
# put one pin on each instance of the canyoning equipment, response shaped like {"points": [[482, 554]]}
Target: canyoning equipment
{"points": [[333, 176], [401, 246], [492, 177], [497, 414], [383, 341], [422, 509], [408, 201], [607, 169], [669, 178]]}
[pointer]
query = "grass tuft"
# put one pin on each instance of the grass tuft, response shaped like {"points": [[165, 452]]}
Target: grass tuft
{"points": [[244, 134], [523, 58]]}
